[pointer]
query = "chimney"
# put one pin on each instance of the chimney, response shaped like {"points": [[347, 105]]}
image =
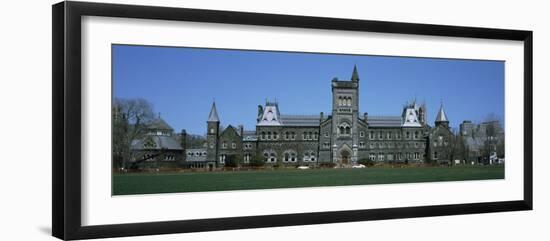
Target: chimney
{"points": [[322, 115], [241, 130], [365, 115]]}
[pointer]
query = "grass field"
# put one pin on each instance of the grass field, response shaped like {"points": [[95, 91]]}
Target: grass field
{"points": [[144, 183]]}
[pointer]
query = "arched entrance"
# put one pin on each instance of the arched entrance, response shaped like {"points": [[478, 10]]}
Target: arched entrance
{"points": [[345, 157]]}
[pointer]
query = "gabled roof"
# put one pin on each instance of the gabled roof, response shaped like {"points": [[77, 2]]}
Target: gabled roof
{"points": [[213, 116], [384, 121], [159, 124], [441, 116], [230, 128]]}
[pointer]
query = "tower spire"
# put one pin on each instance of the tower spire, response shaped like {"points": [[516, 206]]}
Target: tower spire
{"points": [[355, 74], [213, 117], [441, 116]]}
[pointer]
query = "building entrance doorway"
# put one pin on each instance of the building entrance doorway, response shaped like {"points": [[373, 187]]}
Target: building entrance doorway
{"points": [[345, 157]]}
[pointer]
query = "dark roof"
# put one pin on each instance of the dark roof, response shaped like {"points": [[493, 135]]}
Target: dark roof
{"points": [[355, 75], [300, 120], [250, 136], [161, 142], [159, 124], [384, 121], [213, 116], [441, 116]]}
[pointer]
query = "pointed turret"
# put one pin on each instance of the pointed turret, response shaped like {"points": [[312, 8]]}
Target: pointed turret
{"points": [[355, 74], [213, 117], [441, 118]]}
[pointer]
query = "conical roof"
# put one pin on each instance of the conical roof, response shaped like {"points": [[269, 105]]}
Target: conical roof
{"points": [[159, 124], [355, 74], [441, 116], [213, 114]]}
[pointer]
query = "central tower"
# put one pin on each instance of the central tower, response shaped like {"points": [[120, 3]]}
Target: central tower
{"points": [[345, 109]]}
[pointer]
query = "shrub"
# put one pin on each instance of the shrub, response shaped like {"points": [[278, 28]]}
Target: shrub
{"points": [[367, 162], [327, 165]]}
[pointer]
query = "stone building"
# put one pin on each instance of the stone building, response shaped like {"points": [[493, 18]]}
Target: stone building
{"points": [[341, 138], [441, 140], [160, 147], [482, 140]]}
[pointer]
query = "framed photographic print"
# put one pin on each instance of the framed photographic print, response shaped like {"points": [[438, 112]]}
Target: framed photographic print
{"points": [[169, 120]]}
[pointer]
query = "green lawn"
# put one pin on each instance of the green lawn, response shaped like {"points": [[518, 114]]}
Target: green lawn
{"points": [[143, 183]]}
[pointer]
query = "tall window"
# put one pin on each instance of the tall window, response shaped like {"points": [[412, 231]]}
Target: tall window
{"points": [[361, 134], [289, 156], [372, 156]]}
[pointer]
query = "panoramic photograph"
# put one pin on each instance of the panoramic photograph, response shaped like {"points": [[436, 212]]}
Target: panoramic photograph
{"points": [[200, 119]]}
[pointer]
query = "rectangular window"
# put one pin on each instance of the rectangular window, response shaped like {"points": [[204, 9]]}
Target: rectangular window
{"points": [[361, 134]]}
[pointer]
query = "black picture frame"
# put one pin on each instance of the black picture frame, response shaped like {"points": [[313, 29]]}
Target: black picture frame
{"points": [[66, 75]]}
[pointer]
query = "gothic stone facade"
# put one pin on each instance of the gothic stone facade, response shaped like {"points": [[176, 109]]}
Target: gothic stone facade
{"points": [[342, 138]]}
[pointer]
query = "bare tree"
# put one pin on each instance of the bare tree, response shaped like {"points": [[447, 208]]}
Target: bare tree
{"points": [[130, 120]]}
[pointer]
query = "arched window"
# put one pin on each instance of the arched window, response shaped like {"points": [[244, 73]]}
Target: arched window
{"points": [[349, 101], [312, 156], [340, 100], [309, 156], [287, 157], [272, 157], [348, 130]]}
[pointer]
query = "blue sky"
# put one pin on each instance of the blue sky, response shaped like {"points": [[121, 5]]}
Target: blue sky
{"points": [[181, 83]]}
